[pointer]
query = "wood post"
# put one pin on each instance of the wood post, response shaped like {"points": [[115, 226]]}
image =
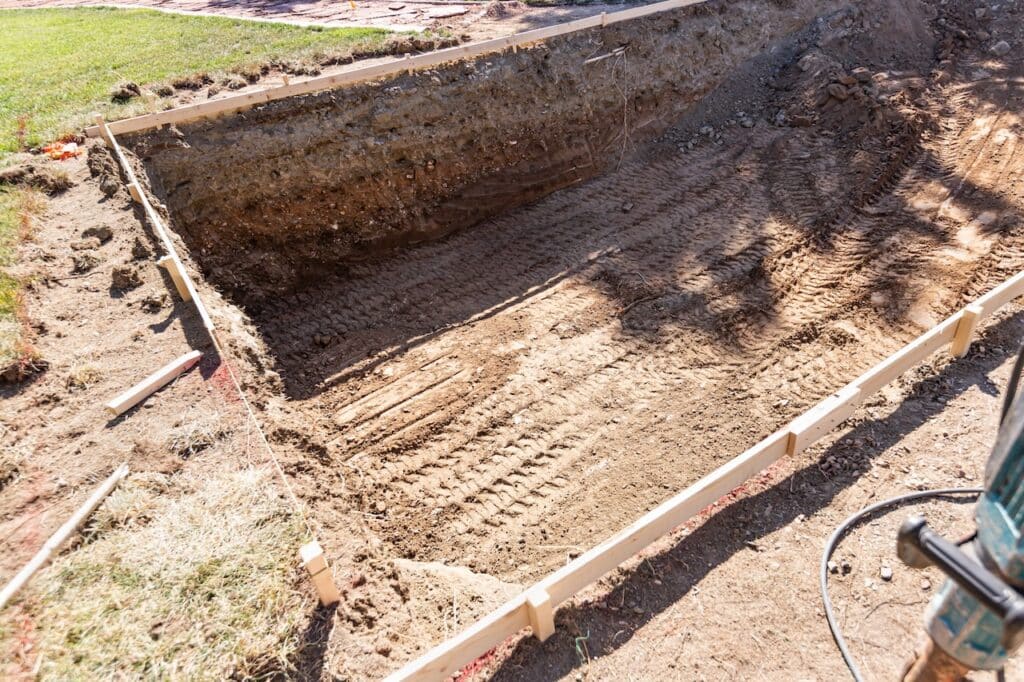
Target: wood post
{"points": [[174, 270], [151, 384], [965, 328], [542, 613], [312, 555], [101, 127]]}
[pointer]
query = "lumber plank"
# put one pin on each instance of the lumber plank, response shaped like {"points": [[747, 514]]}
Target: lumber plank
{"points": [[822, 418], [158, 227], [1001, 295], [529, 607], [965, 328], [61, 536], [914, 352], [451, 655], [151, 384], [235, 103], [541, 612]]}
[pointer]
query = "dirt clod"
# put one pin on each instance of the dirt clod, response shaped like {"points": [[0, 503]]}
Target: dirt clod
{"points": [[124, 91], [42, 175], [101, 232], [85, 261], [125, 277], [141, 250]]}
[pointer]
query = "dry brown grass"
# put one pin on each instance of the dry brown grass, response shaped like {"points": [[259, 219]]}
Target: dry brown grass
{"points": [[183, 577]]}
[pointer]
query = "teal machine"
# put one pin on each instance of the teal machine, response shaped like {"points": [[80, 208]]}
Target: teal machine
{"points": [[977, 617]]}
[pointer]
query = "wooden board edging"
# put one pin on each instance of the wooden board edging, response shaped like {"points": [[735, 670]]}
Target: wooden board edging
{"points": [[518, 613], [236, 103]]}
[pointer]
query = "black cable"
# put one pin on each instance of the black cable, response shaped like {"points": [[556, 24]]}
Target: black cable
{"points": [[838, 534]]}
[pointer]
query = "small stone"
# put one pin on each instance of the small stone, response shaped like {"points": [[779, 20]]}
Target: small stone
{"points": [[926, 584], [838, 91], [1000, 49], [979, 13], [101, 232], [845, 567], [886, 573], [707, 130], [125, 277], [747, 122], [627, 207], [833, 567]]}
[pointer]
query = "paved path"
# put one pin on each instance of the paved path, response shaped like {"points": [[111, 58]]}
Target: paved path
{"points": [[473, 18]]}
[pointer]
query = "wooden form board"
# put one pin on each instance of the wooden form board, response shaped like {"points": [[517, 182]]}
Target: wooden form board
{"points": [[175, 266], [248, 100], [534, 607]]}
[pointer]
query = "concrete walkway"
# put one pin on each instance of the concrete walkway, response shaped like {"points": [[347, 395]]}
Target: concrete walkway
{"points": [[477, 20]]}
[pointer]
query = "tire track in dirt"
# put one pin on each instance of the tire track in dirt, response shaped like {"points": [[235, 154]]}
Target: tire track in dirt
{"points": [[557, 371]]}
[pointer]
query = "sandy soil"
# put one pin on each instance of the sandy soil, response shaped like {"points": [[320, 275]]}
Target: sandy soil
{"points": [[464, 415]]}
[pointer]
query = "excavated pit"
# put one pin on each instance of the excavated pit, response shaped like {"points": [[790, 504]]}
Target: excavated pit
{"points": [[518, 301]]}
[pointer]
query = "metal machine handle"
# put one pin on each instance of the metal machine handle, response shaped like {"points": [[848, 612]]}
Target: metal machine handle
{"points": [[919, 546]]}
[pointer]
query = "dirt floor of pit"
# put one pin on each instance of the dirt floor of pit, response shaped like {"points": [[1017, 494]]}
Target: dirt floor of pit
{"points": [[516, 392], [509, 396]]}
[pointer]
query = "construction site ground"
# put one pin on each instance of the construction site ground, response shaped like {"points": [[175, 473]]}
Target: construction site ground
{"points": [[461, 416]]}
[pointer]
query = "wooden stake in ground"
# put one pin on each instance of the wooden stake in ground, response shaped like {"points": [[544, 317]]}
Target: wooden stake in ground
{"points": [[61, 536], [312, 555], [151, 384]]}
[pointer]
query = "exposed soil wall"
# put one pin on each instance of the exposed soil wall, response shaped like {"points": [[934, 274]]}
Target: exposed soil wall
{"points": [[281, 194]]}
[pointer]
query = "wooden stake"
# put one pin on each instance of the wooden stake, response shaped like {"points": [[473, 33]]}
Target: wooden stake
{"points": [[61, 536], [542, 614], [312, 555], [965, 328], [174, 270], [151, 384], [101, 128], [135, 191]]}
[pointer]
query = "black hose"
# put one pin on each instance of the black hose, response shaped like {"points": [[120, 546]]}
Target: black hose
{"points": [[838, 534]]}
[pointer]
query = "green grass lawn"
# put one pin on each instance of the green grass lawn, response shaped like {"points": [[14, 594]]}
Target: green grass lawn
{"points": [[58, 65]]}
